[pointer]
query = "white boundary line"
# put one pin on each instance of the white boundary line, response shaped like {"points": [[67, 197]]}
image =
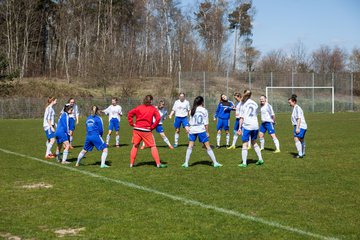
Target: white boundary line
{"points": [[180, 199]]}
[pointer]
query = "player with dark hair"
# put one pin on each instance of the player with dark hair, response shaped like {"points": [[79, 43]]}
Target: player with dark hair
{"points": [[300, 126], [143, 125], [62, 134], [222, 114], [199, 120], [94, 132]]}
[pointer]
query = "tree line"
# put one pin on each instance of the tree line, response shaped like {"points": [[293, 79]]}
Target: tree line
{"points": [[102, 41]]}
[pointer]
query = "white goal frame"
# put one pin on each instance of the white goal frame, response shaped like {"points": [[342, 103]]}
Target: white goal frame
{"points": [[312, 87]]}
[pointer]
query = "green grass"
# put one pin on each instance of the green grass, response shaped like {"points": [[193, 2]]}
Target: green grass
{"points": [[319, 194]]}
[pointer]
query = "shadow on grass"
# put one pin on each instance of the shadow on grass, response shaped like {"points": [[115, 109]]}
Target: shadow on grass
{"points": [[208, 163], [147, 163], [77, 146], [120, 145], [98, 163]]}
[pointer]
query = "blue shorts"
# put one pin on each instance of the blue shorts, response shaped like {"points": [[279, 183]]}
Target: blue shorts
{"points": [[114, 124], [267, 126], [71, 124], [203, 138], [246, 134], [94, 140], [61, 137], [236, 125], [49, 134], [301, 134], [181, 121], [222, 123], [159, 129]]}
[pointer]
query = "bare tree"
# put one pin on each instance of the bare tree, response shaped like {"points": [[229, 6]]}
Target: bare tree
{"points": [[354, 60]]}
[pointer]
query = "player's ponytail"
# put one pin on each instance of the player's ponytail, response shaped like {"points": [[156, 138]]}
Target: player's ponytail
{"points": [[94, 110], [67, 107], [198, 101], [50, 100], [246, 96], [293, 98], [148, 100]]}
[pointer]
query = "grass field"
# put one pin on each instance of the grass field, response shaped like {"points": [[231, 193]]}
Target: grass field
{"points": [[317, 197]]}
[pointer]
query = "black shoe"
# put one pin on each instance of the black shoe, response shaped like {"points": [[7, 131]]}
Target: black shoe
{"points": [[217, 146]]}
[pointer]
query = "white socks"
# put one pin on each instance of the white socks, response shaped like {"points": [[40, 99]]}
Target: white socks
{"points": [[107, 139], [235, 137], [218, 137], [227, 139], [299, 148], [212, 156], [103, 157], [277, 143], [176, 138], [258, 151], [117, 139], [166, 140], [80, 156], [48, 148], [303, 147], [188, 154], [65, 155], [244, 154], [262, 143]]}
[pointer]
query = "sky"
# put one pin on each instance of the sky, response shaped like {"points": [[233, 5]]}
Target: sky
{"points": [[282, 24]]}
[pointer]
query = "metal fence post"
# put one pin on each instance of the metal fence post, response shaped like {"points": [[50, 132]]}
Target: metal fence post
{"points": [[249, 80], [351, 91], [313, 93]]}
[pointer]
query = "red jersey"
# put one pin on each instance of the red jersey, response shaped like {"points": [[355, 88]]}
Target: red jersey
{"points": [[144, 117]]}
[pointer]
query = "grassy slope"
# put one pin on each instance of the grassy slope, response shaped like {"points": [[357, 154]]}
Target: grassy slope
{"points": [[318, 194]]}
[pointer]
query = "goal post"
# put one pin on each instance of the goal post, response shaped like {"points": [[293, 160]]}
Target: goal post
{"points": [[305, 94]]}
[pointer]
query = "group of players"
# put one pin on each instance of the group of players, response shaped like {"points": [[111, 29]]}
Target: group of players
{"points": [[146, 117]]}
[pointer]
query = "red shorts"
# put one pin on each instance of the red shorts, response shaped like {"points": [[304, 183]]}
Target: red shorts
{"points": [[146, 137]]}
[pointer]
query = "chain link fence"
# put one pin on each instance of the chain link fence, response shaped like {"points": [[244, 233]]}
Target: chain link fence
{"points": [[211, 85]]}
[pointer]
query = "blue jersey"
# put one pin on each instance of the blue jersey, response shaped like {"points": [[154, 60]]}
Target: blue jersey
{"points": [[94, 125], [224, 109], [63, 124]]}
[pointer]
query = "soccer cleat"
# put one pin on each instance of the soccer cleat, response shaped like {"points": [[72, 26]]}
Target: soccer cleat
{"points": [[162, 166], [142, 147], [77, 165], [216, 165], [260, 162], [231, 147], [49, 156], [175, 145], [65, 162], [171, 147], [117, 145], [104, 166], [185, 165], [217, 146], [298, 156], [261, 149], [277, 151], [131, 165], [243, 165]]}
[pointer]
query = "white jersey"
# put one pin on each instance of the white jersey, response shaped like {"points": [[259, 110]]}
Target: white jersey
{"points": [[296, 114], [238, 109], [49, 115], [199, 120], [113, 112], [266, 113], [75, 112], [181, 109], [249, 113]]}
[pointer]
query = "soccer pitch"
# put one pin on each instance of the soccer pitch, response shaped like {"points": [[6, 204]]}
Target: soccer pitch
{"points": [[317, 197]]}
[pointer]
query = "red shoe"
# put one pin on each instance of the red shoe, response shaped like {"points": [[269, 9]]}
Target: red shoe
{"points": [[49, 156]]}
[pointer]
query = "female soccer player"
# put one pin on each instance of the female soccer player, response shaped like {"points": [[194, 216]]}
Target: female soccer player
{"points": [[249, 127], [143, 126], [199, 120], [49, 126], [159, 129], [73, 119], [223, 115], [94, 132], [300, 126], [115, 112], [181, 109], [237, 97], [267, 124], [62, 134]]}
